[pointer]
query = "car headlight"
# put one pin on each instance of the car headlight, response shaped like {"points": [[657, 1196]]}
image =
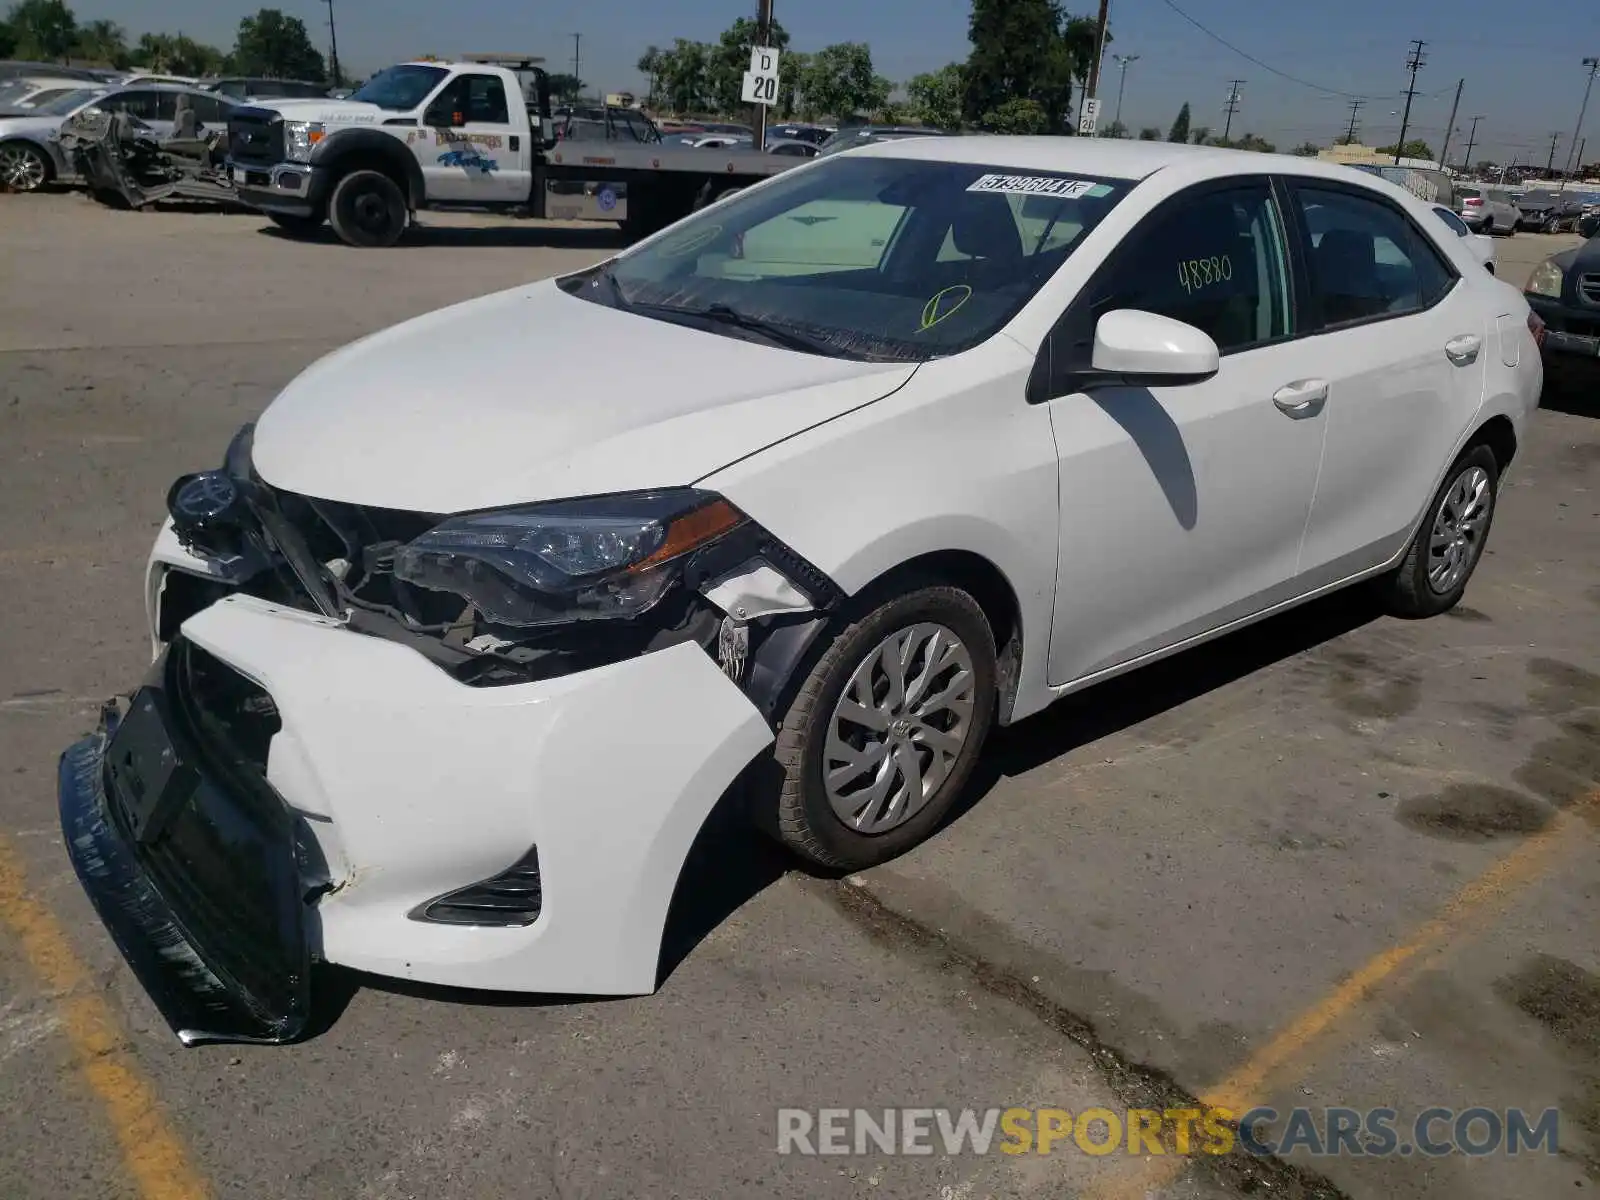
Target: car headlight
{"points": [[604, 558], [299, 137], [1546, 280]]}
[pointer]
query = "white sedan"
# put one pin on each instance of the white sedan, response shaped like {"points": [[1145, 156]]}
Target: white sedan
{"points": [[789, 504]]}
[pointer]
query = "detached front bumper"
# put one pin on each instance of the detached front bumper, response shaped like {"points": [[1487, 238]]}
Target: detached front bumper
{"points": [[396, 786], [288, 189]]}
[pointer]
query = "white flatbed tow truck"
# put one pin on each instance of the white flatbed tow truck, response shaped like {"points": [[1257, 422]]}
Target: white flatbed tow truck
{"points": [[474, 134]]}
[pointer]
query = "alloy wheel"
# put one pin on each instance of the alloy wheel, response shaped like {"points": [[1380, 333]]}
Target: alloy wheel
{"points": [[899, 726], [21, 168], [1458, 529]]}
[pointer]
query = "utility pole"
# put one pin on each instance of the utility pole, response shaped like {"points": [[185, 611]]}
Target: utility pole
{"points": [[577, 63], [1414, 63], [763, 38], [1594, 65], [1550, 163], [1093, 89], [1122, 81], [333, 36], [1472, 138], [1450, 126], [1232, 106], [1350, 134]]}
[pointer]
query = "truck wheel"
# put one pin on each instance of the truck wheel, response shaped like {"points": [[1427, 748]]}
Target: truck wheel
{"points": [[368, 210], [295, 226]]}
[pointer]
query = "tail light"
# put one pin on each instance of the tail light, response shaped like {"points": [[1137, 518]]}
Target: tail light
{"points": [[1536, 327], [1473, 202]]}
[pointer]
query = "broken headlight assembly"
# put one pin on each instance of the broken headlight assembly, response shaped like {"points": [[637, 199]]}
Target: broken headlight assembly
{"points": [[596, 559]]}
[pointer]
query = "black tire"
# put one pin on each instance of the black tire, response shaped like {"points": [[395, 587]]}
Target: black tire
{"points": [[295, 226], [368, 210], [1407, 591], [805, 820]]}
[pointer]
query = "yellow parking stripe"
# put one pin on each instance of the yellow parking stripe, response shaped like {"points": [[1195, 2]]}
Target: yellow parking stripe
{"points": [[1462, 914], [151, 1149]]}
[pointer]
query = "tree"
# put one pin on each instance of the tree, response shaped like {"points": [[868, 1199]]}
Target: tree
{"points": [[1347, 139], [272, 44], [1307, 150], [1149, 134], [650, 64], [840, 81], [1115, 130], [791, 77], [102, 42], [176, 54], [1024, 49], [8, 40], [936, 96], [566, 87], [1485, 167], [1415, 148], [683, 75], [43, 29], [1020, 115], [1180, 126], [729, 59]]}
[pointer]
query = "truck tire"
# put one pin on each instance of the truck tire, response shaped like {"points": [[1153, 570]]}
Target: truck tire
{"points": [[298, 227], [368, 210]]}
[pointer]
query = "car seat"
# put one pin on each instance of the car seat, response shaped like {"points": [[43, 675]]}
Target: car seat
{"points": [[1344, 274]]}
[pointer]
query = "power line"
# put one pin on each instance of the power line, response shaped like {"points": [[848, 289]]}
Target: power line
{"points": [[1220, 40]]}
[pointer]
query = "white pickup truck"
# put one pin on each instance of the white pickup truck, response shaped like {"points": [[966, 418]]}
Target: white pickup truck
{"points": [[474, 134]]}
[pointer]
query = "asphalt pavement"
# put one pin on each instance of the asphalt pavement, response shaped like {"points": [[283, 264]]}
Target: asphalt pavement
{"points": [[1337, 860]]}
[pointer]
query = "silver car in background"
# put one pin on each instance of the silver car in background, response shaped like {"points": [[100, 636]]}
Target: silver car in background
{"points": [[1487, 209], [30, 146]]}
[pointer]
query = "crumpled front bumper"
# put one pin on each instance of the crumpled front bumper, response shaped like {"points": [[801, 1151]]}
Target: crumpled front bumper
{"points": [[406, 785]]}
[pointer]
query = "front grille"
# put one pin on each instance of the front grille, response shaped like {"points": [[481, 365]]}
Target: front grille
{"points": [[1589, 288], [255, 137]]}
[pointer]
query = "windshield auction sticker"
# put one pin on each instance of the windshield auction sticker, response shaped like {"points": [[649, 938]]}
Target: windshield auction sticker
{"points": [[1038, 185]]}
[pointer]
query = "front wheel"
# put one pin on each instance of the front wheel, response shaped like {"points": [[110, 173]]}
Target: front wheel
{"points": [[368, 209], [23, 167], [885, 731], [1434, 573], [295, 226]]}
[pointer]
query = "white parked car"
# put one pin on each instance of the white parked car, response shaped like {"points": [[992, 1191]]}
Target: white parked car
{"points": [[1481, 244], [456, 652]]}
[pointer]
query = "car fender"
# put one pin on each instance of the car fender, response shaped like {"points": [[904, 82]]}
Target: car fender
{"points": [[342, 145], [956, 460]]}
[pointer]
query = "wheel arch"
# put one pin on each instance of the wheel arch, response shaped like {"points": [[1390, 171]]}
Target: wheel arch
{"points": [[1500, 436], [989, 586], [369, 150]]}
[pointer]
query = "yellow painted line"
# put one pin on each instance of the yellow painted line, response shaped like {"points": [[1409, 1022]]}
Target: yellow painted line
{"points": [[152, 1151], [1460, 916]]}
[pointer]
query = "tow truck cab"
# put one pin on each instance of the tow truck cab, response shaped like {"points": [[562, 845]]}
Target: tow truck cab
{"points": [[419, 134]]}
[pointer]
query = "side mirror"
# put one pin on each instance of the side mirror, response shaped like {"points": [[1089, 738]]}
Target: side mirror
{"points": [[1135, 348]]}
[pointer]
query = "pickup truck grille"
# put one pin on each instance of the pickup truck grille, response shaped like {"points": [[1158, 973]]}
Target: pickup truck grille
{"points": [[1589, 287], [255, 136]]}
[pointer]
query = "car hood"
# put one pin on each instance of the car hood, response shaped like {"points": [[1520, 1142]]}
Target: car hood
{"points": [[344, 112], [21, 126], [535, 394]]}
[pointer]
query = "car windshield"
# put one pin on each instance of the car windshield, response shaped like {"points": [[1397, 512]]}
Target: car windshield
{"points": [[400, 88], [65, 106], [872, 258]]}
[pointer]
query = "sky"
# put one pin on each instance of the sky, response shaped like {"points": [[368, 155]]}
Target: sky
{"points": [[1521, 62]]}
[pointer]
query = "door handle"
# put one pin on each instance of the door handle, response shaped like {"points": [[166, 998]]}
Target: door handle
{"points": [[1301, 398], [1464, 349]]}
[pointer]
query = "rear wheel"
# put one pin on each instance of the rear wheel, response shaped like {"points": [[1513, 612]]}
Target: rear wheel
{"points": [[295, 226], [23, 167], [885, 730], [1448, 546], [368, 209]]}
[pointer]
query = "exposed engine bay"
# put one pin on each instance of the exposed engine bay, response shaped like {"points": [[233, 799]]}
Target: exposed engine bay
{"points": [[444, 586], [126, 165]]}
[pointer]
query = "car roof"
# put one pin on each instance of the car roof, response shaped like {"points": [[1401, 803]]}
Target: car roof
{"points": [[1111, 158]]}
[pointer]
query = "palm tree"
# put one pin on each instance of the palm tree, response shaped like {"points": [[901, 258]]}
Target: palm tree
{"points": [[103, 42], [650, 63]]}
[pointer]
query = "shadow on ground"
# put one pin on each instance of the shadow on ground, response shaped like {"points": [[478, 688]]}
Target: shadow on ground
{"points": [[532, 235], [1572, 391]]}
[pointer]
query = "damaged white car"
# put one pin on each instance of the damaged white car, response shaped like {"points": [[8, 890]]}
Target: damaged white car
{"points": [[462, 643]]}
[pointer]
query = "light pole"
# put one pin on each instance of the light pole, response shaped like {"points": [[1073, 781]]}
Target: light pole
{"points": [[1122, 80], [333, 37]]}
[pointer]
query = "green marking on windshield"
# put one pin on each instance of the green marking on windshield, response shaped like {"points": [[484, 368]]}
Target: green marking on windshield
{"points": [[935, 311]]}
